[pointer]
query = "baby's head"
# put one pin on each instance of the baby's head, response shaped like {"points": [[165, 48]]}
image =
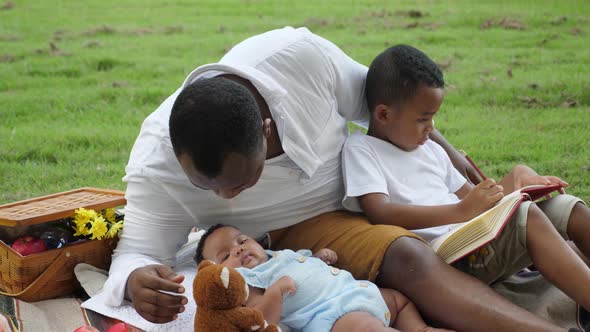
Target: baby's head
{"points": [[226, 245], [404, 90]]}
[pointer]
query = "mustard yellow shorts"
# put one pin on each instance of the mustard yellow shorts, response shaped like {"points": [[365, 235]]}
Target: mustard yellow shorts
{"points": [[360, 245]]}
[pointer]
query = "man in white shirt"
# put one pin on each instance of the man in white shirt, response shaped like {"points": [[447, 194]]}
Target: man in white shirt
{"points": [[276, 170]]}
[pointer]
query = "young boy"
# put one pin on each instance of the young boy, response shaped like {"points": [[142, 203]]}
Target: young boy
{"points": [[397, 176], [303, 291]]}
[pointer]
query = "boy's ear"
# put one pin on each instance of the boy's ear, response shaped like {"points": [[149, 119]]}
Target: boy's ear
{"points": [[266, 127], [382, 113]]}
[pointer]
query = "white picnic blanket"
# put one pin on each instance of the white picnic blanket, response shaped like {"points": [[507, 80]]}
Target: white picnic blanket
{"points": [[530, 291]]}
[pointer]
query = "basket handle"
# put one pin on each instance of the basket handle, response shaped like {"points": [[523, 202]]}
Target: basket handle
{"points": [[44, 277]]}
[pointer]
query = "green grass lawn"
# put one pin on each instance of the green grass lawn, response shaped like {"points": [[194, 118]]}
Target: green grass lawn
{"points": [[77, 78]]}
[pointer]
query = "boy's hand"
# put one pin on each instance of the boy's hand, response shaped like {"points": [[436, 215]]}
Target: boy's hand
{"points": [[329, 256], [286, 285], [481, 198]]}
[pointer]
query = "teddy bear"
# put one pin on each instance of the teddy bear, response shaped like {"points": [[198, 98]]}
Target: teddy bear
{"points": [[221, 293]]}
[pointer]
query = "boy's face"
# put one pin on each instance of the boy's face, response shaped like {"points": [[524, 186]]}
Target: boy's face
{"points": [[408, 125], [229, 247]]}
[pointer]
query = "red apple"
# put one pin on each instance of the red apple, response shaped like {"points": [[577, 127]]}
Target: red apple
{"points": [[28, 244], [86, 328], [122, 327]]}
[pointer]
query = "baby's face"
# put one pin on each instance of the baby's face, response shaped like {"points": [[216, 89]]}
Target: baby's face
{"points": [[229, 247]]}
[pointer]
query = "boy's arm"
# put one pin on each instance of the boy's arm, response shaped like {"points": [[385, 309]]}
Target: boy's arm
{"points": [[460, 163], [381, 210], [271, 302], [474, 200]]}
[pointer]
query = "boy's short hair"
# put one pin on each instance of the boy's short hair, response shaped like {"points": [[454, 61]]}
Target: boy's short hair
{"points": [[211, 118], [396, 74], [201, 245]]}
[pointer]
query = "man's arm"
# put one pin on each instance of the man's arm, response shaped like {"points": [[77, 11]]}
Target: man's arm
{"points": [[458, 160], [155, 226]]}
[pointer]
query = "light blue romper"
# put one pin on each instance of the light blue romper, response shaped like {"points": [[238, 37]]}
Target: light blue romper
{"points": [[323, 295]]}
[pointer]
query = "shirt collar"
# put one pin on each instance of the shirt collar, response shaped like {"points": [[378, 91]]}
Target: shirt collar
{"points": [[266, 86]]}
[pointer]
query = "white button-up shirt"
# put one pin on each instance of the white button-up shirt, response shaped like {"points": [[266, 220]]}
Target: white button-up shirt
{"points": [[312, 89]]}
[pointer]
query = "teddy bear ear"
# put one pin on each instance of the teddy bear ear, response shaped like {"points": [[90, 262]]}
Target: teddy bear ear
{"points": [[205, 263], [224, 276]]}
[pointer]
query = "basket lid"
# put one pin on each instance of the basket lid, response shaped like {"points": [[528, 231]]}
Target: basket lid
{"points": [[57, 206]]}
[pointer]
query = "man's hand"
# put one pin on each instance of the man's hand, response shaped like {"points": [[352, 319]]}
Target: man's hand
{"points": [[481, 198], [329, 256], [522, 176], [145, 288]]}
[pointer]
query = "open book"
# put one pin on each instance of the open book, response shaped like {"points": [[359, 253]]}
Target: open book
{"points": [[471, 235]]}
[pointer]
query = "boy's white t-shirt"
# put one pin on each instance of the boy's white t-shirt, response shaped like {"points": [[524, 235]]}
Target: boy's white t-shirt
{"points": [[424, 176]]}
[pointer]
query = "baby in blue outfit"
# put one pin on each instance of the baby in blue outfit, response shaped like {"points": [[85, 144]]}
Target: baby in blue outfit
{"points": [[303, 291]]}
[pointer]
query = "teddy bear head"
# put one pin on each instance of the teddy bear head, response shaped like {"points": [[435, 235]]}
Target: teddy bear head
{"points": [[219, 287]]}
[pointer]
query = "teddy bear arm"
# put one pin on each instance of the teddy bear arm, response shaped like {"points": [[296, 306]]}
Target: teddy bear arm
{"points": [[247, 318]]}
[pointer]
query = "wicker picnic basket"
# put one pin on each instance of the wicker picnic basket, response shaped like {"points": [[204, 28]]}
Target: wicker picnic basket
{"points": [[50, 273]]}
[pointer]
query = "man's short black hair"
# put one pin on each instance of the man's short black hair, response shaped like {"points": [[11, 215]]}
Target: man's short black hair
{"points": [[396, 74], [211, 118], [201, 245]]}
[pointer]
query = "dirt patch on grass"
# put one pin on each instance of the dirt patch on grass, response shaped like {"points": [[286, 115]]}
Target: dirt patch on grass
{"points": [[413, 13], [7, 5], [558, 20], [100, 30], [6, 58], [316, 22], [504, 22], [10, 38], [54, 50], [92, 44], [104, 30]]}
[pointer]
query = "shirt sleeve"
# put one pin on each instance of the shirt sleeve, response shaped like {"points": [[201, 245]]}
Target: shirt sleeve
{"points": [[155, 228], [348, 77], [361, 172]]}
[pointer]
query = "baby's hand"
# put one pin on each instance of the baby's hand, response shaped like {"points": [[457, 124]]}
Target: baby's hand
{"points": [[286, 285], [329, 256], [482, 197]]}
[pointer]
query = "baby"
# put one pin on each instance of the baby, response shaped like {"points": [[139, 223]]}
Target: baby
{"points": [[303, 291]]}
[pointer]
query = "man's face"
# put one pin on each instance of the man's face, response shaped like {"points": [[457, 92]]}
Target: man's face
{"points": [[229, 247], [238, 173], [411, 123]]}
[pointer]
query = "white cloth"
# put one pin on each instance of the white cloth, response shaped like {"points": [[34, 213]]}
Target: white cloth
{"points": [[126, 313], [311, 87], [424, 176]]}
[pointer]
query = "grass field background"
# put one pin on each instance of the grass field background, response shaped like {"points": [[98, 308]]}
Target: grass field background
{"points": [[77, 78]]}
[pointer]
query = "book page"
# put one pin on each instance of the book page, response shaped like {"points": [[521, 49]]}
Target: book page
{"points": [[465, 237], [481, 223]]}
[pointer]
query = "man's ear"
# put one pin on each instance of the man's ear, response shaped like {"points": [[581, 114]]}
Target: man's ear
{"points": [[266, 127], [382, 113]]}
